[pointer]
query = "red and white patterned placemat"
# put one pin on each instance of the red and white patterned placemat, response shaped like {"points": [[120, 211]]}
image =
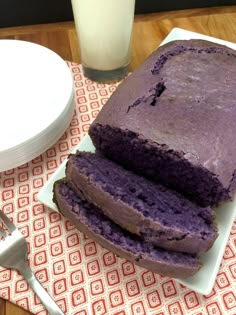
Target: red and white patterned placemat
{"points": [[83, 277]]}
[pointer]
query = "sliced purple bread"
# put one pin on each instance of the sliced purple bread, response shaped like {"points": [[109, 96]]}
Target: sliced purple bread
{"points": [[157, 214], [173, 120], [91, 221]]}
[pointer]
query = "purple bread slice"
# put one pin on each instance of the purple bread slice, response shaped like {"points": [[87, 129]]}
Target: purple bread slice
{"points": [[91, 221], [159, 215], [173, 120]]}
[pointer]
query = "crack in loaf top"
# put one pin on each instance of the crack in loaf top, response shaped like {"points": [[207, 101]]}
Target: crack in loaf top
{"points": [[184, 96]]}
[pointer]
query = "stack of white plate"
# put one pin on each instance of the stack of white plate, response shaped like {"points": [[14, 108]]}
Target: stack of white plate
{"points": [[36, 101]]}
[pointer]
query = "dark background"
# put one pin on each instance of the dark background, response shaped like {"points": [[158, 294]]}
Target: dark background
{"points": [[25, 12]]}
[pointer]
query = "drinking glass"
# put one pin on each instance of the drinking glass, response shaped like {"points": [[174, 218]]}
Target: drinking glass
{"points": [[104, 30]]}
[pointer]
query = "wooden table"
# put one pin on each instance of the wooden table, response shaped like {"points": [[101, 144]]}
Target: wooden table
{"points": [[149, 31]]}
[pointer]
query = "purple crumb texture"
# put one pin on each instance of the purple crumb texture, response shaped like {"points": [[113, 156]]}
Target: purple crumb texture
{"points": [[152, 200], [92, 217], [158, 164]]}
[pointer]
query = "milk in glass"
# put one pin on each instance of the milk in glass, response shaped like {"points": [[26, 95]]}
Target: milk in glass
{"points": [[104, 29]]}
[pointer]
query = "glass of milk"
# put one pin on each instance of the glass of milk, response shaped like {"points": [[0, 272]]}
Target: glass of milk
{"points": [[104, 29]]}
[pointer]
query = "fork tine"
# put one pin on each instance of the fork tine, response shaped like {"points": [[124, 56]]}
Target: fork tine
{"points": [[3, 233], [11, 227]]}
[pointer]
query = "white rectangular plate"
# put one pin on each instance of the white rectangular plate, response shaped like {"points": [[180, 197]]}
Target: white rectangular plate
{"points": [[203, 281]]}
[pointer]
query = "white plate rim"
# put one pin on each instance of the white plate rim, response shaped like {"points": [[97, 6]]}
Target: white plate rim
{"points": [[54, 107]]}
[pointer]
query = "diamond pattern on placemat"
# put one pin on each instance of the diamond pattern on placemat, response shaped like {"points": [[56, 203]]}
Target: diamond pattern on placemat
{"points": [[83, 277]]}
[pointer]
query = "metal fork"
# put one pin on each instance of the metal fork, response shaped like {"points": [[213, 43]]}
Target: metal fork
{"points": [[13, 254]]}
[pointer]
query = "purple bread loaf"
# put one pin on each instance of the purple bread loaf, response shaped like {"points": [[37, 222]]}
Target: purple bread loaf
{"points": [[91, 221], [159, 215], [173, 120]]}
